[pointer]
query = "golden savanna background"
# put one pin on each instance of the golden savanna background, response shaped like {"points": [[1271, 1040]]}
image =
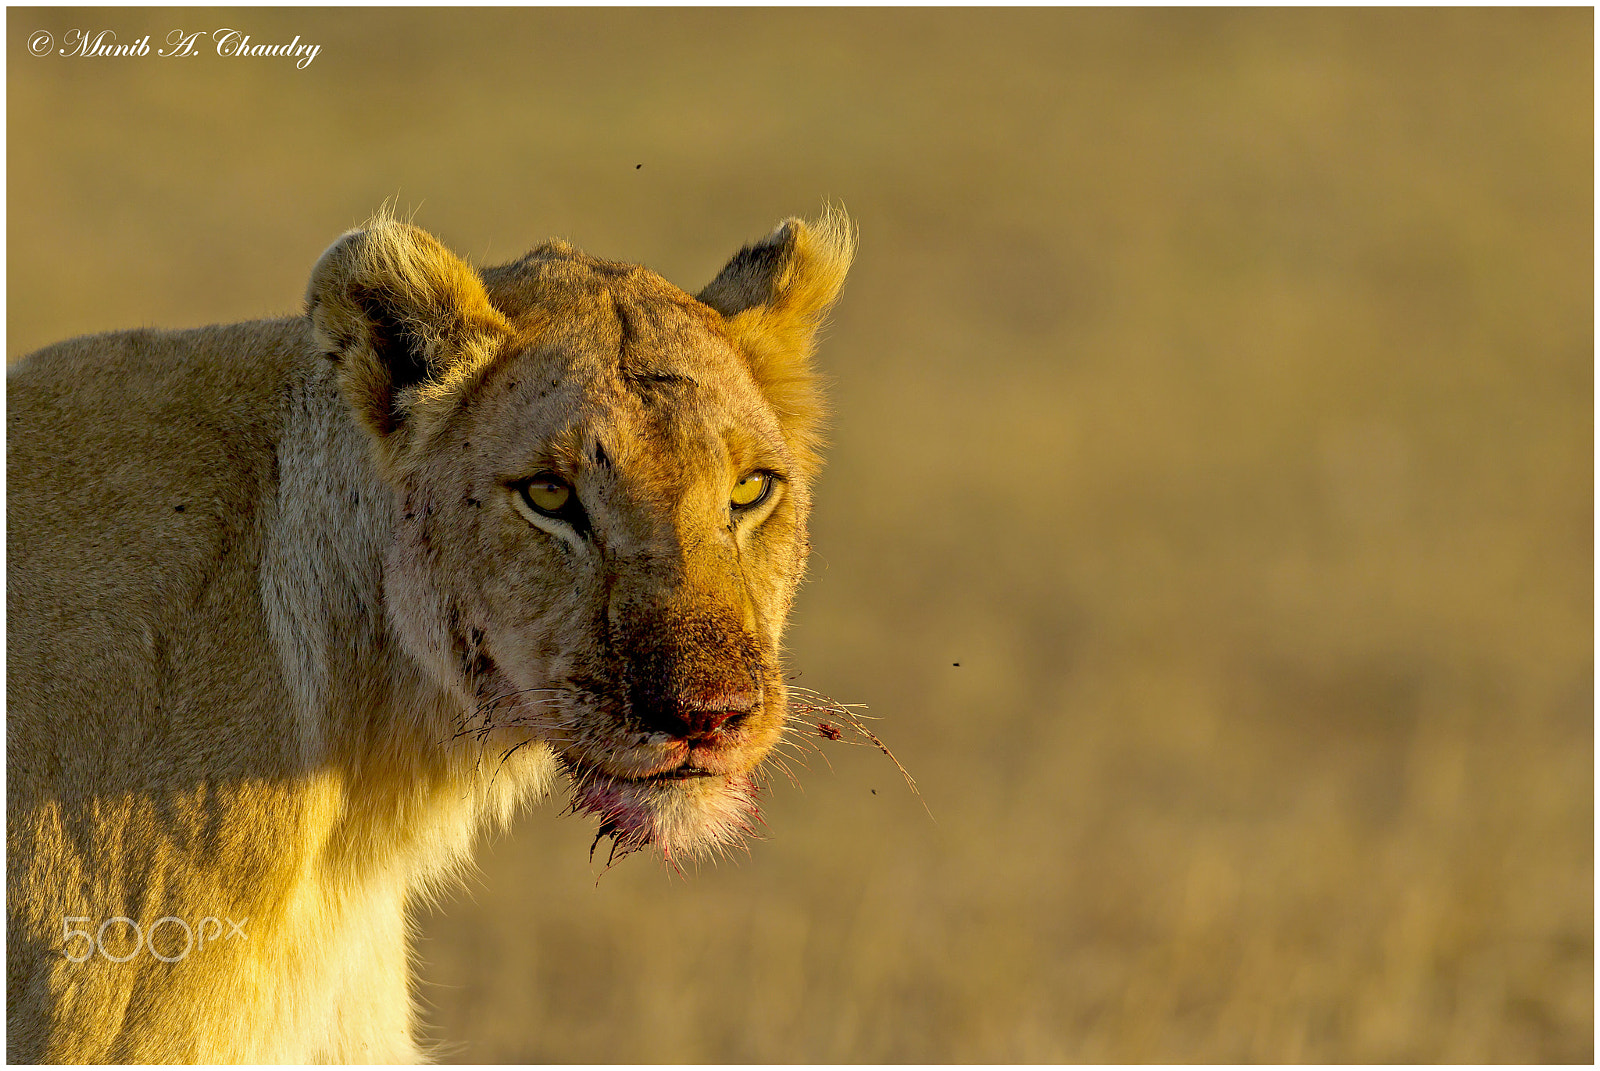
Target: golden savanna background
{"points": [[1214, 387]]}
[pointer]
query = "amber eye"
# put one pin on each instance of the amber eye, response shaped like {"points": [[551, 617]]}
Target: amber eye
{"points": [[547, 493], [752, 490]]}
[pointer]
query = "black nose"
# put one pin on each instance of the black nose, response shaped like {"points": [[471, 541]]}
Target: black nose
{"points": [[699, 713]]}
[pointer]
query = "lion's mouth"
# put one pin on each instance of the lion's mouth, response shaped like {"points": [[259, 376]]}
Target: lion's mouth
{"points": [[582, 773]]}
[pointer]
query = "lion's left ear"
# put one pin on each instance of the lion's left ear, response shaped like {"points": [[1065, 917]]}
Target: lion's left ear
{"points": [[774, 296]]}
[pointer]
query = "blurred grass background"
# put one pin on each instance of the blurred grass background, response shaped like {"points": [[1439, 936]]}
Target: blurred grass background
{"points": [[1214, 386]]}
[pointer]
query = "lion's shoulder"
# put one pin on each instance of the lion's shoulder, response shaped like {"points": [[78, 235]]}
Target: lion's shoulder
{"points": [[139, 468]]}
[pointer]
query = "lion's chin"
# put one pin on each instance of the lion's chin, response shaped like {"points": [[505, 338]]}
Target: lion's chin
{"points": [[682, 818]]}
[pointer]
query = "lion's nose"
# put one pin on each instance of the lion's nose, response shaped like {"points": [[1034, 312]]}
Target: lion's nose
{"points": [[696, 715]]}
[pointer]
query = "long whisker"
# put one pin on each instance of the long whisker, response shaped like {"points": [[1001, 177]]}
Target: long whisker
{"points": [[830, 718]]}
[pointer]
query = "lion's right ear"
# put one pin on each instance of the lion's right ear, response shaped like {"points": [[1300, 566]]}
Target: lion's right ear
{"points": [[773, 296], [404, 317]]}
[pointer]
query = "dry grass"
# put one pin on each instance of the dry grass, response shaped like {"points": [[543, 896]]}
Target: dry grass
{"points": [[1214, 387]]}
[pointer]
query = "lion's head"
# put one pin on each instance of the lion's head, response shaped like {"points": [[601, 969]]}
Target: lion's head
{"points": [[601, 490]]}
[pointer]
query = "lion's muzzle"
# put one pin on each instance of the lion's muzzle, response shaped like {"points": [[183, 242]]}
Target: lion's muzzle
{"points": [[692, 676]]}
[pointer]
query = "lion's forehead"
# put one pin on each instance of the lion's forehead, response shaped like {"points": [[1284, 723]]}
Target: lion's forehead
{"points": [[571, 399], [625, 361]]}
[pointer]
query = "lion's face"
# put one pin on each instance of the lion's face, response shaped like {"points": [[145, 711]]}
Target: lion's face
{"points": [[584, 514], [601, 513]]}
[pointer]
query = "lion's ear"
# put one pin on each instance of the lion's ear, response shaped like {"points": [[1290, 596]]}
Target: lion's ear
{"points": [[774, 295], [402, 315]]}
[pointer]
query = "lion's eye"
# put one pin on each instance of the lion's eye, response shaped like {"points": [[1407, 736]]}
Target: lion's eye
{"points": [[547, 493], [752, 490]]}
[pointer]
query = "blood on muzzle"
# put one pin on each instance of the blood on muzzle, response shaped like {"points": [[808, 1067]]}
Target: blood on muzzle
{"points": [[691, 675]]}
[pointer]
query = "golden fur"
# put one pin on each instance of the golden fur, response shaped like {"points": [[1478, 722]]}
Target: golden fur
{"points": [[285, 630]]}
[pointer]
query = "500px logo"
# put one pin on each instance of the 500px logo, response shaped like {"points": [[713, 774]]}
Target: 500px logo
{"points": [[207, 931], [234, 44]]}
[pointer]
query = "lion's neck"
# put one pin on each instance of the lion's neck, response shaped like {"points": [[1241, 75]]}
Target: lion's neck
{"points": [[365, 712]]}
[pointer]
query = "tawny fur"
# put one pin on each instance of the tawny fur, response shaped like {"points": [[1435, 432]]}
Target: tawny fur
{"points": [[284, 637]]}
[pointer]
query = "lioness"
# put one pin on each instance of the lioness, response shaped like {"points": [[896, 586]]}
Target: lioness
{"points": [[298, 606]]}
